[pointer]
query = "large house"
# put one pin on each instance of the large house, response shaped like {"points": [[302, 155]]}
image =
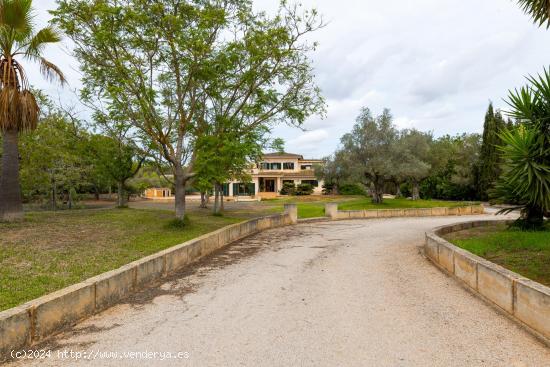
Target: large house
{"points": [[274, 170]]}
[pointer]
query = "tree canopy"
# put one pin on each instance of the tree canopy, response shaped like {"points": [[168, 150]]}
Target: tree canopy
{"points": [[174, 68]]}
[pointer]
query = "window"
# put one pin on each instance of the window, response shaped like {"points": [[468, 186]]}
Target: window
{"points": [[270, 166], [306, 166], [313, 183], [288, 165], [243, 189]]}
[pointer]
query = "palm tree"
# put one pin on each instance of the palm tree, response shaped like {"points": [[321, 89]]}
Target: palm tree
{"points": [[18, 108], [539, 10], [525, 179]]}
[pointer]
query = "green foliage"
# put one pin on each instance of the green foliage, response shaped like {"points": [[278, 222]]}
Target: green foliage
{"points": [[412, 151], [454, 160], [54, 159], [289, 188], [173, 69], [370, 150], [490, 159], [525, 179], [278, 145], [303, 189], [379, 156], [539, 10], [351, 189]]}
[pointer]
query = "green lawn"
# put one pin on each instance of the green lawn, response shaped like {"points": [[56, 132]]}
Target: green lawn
{"points": [[49, 251], [526, 253], [317, 209]]}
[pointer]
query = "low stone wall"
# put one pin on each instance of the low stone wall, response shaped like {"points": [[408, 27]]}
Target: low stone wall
{"points": [[331, 211], [38, 319], [522, 299]]}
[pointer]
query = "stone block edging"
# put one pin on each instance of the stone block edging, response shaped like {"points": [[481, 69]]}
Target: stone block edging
{"points": [[521, 299], [332, 212], [36, 320]]}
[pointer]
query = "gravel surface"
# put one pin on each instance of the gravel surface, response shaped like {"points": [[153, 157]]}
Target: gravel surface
{"points": [[349, 293]]}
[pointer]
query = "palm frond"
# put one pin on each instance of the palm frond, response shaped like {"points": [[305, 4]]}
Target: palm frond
{"points": [[539, 10], [36, 44], [51, 71], [17, 15], [29, 111]]}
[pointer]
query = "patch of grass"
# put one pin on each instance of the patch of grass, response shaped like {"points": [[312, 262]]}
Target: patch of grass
{"points": [[366, 203], [49, 251], [524, 252], [317, 208]]}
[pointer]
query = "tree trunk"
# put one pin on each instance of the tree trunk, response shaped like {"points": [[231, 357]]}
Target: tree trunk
{"points": [[54, 194], [110, 192], [378, 191], [11, 206], [121, 195], [70, 198], [216, 199], [179, 201], [221, 199], [398, 194], [416, 190], [203, 200], [96, 192]]}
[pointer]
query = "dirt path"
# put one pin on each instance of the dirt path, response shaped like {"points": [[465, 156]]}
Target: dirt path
{"points": [[350, 293]]}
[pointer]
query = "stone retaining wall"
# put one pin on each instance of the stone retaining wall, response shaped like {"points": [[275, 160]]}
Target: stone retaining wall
{"points": [[38, 319], [522, 299], [331, 211]]}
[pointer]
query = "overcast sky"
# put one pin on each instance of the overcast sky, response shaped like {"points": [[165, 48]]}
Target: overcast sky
{"points": [[434, 63]]}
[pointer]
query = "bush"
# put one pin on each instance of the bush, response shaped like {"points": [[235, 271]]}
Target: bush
{"points": [[289, 188], [352, 189], [304, 189], [406, 190], [328, 188]]}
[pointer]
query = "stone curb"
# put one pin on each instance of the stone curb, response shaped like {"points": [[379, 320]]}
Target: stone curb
{"points": [[332, 212], [522, 299], [36, 320]]}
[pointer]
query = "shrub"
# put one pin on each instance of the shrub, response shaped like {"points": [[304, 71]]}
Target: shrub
{"points": [[352, 189], [289, 188], [328, 188], [304, 189]]}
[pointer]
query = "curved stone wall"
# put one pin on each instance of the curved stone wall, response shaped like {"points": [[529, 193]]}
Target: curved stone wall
{"points": [[524, 300]]}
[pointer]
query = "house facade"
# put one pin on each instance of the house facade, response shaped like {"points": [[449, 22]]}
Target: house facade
{"points": [[269, 176]]}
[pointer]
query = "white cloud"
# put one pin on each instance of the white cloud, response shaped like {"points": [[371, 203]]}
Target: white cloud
{"points": [[310, 138]]}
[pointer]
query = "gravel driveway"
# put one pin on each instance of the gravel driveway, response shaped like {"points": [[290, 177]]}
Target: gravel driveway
{"points": [[349, 293]]}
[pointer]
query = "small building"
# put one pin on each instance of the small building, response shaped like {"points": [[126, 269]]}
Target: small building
{"points": [[158, 193], [275, 169]]}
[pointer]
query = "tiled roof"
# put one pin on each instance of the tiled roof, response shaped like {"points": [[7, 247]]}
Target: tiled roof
{"points": [[283, 155]]}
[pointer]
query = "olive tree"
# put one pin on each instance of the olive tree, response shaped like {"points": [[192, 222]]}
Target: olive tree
{"points": [[371, 150]]}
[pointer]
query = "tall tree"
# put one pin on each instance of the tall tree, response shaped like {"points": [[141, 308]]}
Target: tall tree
{"points": [[225, 153], [18, 107], [413, 150], [118, 159], [488, 169], [371, 149], [163, 63]]}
